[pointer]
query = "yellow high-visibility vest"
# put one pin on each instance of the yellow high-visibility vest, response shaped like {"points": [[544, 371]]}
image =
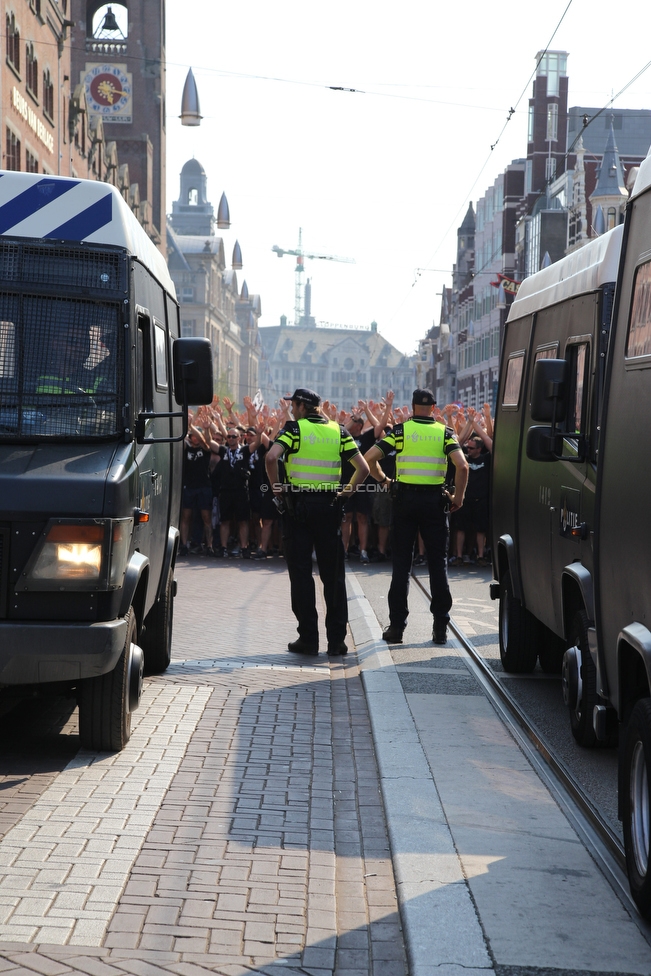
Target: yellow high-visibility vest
{"points": [[317, 463], [421, 459]]}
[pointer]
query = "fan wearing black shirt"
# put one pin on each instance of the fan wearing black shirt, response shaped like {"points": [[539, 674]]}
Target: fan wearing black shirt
{"points": [[234, 469], [473, 517], [197, 492], [361, 502]]}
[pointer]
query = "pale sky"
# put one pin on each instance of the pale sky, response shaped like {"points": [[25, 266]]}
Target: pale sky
{"points": [[383, 175]]}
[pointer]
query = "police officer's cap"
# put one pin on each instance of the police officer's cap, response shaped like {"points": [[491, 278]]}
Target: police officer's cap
{"points": [[305, 396], [423, 398]]}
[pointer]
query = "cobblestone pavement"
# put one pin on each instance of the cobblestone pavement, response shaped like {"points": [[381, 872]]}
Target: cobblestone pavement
{"points": [[241, 830]]}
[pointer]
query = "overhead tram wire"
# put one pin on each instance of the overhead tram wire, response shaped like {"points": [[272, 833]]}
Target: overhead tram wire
{"points": [[608, 104], [510, 115]]}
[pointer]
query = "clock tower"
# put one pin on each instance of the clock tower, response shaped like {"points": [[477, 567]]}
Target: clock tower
{"points": [[118, 56]]}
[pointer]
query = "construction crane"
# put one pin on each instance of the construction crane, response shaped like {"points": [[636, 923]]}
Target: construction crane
{"points": [[301, 255]]}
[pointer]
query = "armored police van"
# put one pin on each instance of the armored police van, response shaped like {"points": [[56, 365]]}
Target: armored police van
{"points": [[571, 499], [90, 448]]}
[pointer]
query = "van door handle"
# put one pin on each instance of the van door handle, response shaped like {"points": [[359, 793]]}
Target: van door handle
{"points": [[154, 475]]}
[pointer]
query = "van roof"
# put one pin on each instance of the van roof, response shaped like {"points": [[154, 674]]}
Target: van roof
{"points": [[643, 178], [580, 272], [62, 208]]}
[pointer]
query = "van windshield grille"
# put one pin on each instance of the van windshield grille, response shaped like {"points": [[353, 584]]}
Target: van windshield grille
{"points": [[59, 376]]}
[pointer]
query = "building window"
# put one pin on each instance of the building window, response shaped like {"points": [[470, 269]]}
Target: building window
{"points": [[35, 5], [528, 176], [611, 218], [31, 70], [31, 162], [12, 159], [488, 216], [13, 42], [187, 294], [48, 95], [552, 122], [497, 242], [550, 169], [554, 65]]}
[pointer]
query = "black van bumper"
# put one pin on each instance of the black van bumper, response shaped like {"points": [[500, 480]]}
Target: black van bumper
{"points": [[38, 653]]}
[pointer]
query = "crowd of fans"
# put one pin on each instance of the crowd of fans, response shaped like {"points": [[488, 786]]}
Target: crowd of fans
{"points": [[228, 508]]}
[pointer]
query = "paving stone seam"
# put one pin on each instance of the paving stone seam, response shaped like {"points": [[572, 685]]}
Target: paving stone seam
{"points": [[429, 901]]}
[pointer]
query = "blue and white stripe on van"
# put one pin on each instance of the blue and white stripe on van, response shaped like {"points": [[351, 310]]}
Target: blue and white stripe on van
{"points": [[72, 210]]}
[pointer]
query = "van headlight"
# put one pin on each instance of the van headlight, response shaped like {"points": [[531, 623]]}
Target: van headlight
{"points": [[79, 554]]}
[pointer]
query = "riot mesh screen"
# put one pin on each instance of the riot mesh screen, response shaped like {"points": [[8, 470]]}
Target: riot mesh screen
{"points": [[59, 375], [101, 270]]}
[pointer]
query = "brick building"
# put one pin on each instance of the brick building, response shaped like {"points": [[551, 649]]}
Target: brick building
{"points": [[79, 99], [35, 70], [118, 62]]}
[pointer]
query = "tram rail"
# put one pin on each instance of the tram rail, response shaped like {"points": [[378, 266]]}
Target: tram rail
{"points": [[592, 827]]}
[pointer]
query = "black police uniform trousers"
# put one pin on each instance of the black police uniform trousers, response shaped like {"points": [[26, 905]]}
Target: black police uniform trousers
{"points": [[316, 523], [419, 510]]}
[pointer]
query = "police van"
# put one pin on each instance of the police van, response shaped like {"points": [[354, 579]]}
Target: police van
{"points": [[572, 504], [91, 371]]}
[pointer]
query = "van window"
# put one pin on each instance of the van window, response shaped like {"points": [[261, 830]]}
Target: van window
{"points": [[513, 381], [579, 361], [547, 352], [160, 355], [638, 342], [145, 398]]}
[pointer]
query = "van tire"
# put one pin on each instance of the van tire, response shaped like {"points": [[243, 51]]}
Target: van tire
{"points": [[636, 802], [104, 716], [519, 632], [157, 637], [581, 715]]}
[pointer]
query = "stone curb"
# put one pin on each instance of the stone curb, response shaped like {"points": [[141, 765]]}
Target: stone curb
{"points": [[440, 924]]}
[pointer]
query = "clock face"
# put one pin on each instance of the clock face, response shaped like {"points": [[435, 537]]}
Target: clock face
{"points": [[108, 92]]}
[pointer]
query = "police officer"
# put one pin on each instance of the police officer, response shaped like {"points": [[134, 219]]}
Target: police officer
{"points": [[313, 448], [66, 373], [423, 447]]}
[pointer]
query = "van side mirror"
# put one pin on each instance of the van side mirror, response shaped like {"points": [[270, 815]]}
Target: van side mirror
{"points": [[192, 361], [549, 391], [192, 364], [541, 445]]}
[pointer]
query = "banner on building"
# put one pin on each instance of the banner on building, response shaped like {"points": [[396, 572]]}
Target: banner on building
{"points": [[509, 284]]}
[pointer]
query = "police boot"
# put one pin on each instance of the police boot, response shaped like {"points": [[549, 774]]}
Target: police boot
{"points": [[440, 630], [392, 634], [302, 647]]}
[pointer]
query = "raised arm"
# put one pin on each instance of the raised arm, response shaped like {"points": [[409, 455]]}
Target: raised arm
{"points": [[478, 429], [488, 420]]}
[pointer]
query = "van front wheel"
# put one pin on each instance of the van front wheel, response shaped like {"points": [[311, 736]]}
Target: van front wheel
{"points": [[582, 686], [519, 632], [157, 637], [636, 803], [104, 716]]}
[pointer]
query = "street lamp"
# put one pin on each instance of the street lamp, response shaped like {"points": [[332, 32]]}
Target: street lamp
{"points": [[190, 111]]}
